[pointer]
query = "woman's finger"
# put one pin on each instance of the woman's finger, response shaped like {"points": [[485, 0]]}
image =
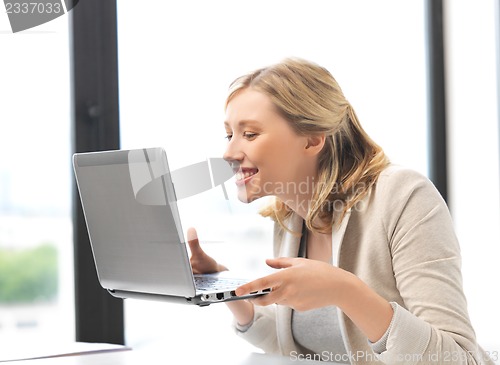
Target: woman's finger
{"points": [[265, 282], [281, 262], [194, 243]]}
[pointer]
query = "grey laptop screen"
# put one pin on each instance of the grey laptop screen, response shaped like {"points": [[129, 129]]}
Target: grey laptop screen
{"points": [[133, 222]]}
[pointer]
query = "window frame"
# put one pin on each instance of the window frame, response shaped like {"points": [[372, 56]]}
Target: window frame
{"points": [[99, 317]]}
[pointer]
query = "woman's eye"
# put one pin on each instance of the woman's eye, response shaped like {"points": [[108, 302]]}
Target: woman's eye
{"points": [[246, 135], [249, 135]]}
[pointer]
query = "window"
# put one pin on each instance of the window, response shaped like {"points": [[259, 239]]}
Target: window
{"points": [[36, 281], [474, 156], [175, 68]]}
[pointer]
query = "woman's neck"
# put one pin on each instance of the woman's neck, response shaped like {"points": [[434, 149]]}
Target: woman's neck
{"points": [[319, 246]]}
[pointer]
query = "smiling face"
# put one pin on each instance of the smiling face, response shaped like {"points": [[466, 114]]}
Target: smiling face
{"points": [[273, 159]]}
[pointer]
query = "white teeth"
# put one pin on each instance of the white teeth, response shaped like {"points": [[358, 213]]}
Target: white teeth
{"points": [[244, 175]]}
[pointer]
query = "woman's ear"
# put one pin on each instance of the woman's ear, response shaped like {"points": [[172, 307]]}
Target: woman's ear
{"points": [[315, 143]]}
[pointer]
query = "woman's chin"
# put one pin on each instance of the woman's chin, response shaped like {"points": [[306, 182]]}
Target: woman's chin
{"points": [[246, 198]]}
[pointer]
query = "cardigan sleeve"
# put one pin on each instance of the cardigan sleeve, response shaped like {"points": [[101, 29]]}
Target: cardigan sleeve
{"points": [[262, 331], [433, 326]]}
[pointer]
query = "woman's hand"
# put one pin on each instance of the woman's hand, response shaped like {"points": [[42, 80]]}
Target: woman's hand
{"points": [[303, 284], [200, 261]]}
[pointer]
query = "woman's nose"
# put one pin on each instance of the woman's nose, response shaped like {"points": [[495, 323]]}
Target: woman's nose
{"points": [[233, 154]]}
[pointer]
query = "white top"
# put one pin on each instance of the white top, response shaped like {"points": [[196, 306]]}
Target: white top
{"points": [[318, 330]]}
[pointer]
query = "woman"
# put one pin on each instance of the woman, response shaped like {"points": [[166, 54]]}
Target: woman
{"points": [[370, 263]]}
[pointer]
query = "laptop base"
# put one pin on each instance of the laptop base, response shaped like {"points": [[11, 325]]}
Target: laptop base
{"points": [[201, 300]]}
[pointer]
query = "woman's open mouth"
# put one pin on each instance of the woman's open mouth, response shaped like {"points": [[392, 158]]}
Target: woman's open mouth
{"points": [[244, 175]]}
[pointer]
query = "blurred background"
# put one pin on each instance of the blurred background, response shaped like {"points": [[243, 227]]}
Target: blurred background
{"points": [[174, 63]]}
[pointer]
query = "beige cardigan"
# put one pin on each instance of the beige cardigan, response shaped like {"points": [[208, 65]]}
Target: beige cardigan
{"points": [[400, 241]]}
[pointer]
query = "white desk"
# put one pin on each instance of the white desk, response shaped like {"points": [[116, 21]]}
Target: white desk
{"points": [[142, 357], [159, 356]]}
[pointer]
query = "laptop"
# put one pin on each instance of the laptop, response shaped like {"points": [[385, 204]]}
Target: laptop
{"points": [[130, 208]]}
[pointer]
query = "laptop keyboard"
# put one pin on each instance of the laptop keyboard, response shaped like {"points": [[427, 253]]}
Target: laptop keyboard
{"points": [[215, 283]]}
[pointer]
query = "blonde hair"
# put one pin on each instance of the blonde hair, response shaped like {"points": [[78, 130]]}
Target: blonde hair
{"points": [[350, 162]]}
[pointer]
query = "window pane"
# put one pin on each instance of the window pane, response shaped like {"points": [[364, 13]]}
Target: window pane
{"points": [[36, 270], [474, 156], [176, 66]]}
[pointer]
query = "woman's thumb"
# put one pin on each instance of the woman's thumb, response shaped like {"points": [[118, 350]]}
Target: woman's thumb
{"points": [[194, 243]]}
